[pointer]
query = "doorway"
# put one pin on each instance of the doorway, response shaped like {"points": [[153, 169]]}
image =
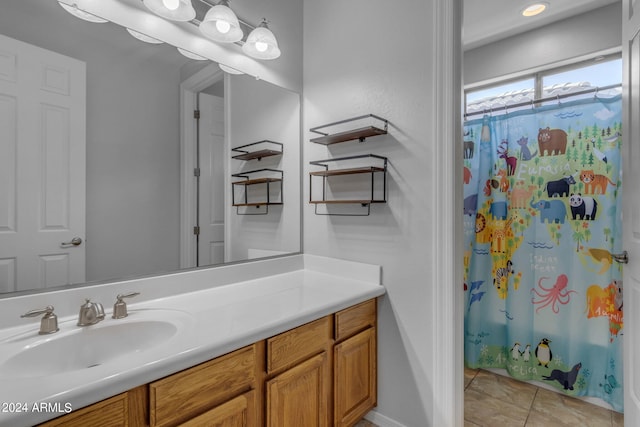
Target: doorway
{"points": [[202, 171], [211, 166], [482, 55]]}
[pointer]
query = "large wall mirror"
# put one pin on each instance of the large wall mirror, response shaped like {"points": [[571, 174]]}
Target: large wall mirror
{"points": [[135, 168]]}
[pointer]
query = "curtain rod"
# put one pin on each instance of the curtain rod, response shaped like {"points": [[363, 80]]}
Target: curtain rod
{"points": [[558, 97]]}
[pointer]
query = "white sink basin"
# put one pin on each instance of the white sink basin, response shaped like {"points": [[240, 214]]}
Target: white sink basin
{"points": [[76, 348]]}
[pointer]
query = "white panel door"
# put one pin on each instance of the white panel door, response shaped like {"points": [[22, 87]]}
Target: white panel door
{"points": [[631, 210], [42, 167], [212, 178]]}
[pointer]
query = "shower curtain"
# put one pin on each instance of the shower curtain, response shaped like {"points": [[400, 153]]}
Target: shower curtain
{"points": [[543, 296]]}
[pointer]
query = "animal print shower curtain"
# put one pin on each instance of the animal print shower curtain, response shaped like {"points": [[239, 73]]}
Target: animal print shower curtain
{"points": [[543, 295]]}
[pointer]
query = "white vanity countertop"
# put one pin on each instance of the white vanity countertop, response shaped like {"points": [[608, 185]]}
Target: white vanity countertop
{"points": [[217, 320]]}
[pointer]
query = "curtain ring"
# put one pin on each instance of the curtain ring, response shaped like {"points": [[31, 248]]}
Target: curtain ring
{"points": [[595, 95], [532, 106], [558, 98]]}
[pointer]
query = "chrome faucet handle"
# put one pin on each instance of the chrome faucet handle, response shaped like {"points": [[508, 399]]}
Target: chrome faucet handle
{"points": [[90, 313], [49, 322], [120, 307]]}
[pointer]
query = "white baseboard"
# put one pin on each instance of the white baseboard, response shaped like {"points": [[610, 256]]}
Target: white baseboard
{"points": [[381, 421]]}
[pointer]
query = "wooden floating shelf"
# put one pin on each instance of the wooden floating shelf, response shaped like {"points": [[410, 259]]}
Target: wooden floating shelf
{"points": [[350, 202], [257, 204], [257, 154], [349, 171], [246, 182], [257, 181], [356, 134], [246, 154], [369, 169]]}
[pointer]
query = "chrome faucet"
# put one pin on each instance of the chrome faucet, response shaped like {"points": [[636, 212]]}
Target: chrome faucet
{"points": [[49, 322], [90, 313], [120, 307]]}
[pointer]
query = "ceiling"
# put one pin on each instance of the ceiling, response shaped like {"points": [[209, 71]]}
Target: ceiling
{"points": [[486, 21]]}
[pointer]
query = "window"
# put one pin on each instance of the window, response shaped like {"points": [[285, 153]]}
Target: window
{"points": [[550, 85], [603, 74], [500, 97]]}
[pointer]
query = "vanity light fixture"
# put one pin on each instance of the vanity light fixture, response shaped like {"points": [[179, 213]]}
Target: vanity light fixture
{"points": [[221, 24], [261, 43], [143, 37], [79, 13], [535, 9], [174, 10], [229, 70], [192, 55]]}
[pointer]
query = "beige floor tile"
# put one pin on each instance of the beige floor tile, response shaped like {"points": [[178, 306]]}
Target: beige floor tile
{"points": [[469, 375], [617, 419], [365, 423], [483, 410], [550, 408], [505, 389], [470, 424]]}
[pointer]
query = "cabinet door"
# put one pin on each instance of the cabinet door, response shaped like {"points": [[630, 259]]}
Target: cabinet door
{"points": [[355, 379], [299, 397], [238, 412], [112, 412]]}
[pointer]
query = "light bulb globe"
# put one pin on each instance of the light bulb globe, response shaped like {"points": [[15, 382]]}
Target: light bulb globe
{"points": [[218, 19], [261, 43], [261, 46], [171, 4], [223, 26], [183, 10]]}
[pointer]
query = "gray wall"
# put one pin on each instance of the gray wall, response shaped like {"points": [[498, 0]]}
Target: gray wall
{"points": [[133, 126], [575, 37], [350, 69]]}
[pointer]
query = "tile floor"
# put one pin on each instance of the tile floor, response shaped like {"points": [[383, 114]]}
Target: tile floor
{"points": [[496, 401], [493, 400]]}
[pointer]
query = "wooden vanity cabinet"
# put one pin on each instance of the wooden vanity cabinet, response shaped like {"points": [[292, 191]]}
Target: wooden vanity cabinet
{"points": [[298, 382], [320, 374], [355, 363]]}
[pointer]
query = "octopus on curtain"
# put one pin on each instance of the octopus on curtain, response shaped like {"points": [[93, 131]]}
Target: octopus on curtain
{"points": [[553, 295]]}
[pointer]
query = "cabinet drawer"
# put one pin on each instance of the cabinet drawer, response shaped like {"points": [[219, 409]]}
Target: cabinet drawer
{"points": [[186, 394], [355, 319], [238, 412], [298, 344], [112, 412]]}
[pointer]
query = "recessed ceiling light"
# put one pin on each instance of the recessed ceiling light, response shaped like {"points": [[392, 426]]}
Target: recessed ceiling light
{"points": [[535, 9]]}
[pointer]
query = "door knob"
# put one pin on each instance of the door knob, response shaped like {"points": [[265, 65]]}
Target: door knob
{"points": [[622, 258], [76, 241]]}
